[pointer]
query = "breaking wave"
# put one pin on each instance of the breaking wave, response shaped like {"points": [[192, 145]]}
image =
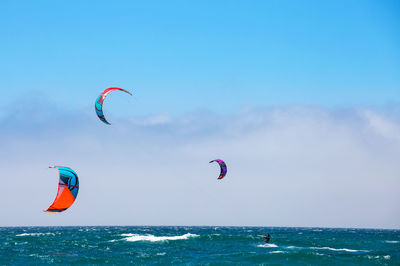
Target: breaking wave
{"points": [[386, 257], [152, 238], [328, 248], [267, 245], [340, 249], [36, 234]]}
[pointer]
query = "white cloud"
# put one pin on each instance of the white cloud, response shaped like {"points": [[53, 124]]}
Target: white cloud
{"points": [[287, 166]]}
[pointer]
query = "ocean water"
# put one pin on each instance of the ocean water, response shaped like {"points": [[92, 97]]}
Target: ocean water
{"points": [[187, 245]]}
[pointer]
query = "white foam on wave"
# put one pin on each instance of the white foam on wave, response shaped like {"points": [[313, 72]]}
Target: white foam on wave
{"points": [[328, 248], [152, 238], [386, 257], [392, 241], [340, 249], [266, 245], [277, 251], [36, 234]]}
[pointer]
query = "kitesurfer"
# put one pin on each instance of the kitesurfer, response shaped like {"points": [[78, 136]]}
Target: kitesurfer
{"points": [[267, 238]]}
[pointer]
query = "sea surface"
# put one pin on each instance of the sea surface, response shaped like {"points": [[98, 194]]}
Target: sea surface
{"points": [[185, 245]]}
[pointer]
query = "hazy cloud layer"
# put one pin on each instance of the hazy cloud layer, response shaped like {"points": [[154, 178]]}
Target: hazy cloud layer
{"points": [[287, 166]]}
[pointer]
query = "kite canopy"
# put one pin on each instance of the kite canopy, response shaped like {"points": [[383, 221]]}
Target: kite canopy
{"points": [[99, 102], [68, 187], [223, 167]]}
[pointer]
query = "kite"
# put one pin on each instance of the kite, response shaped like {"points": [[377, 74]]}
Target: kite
{"points": [[99, 103], [68, 187], [223, 167]]}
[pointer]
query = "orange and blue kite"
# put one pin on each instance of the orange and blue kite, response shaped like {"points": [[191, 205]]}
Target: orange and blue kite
{"points": [[68, 187]]}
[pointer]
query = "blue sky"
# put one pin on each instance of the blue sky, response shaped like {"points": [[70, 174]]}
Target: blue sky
{"points": [[300, 98], [216, 55]]}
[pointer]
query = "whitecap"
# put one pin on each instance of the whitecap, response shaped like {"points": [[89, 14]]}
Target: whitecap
{"points": [[152, 238], [35, 234], [277, 251], [386, 257], [143, 255], [161, 254], [38, 256], [340, 249], [266, 245], [392, 241]]}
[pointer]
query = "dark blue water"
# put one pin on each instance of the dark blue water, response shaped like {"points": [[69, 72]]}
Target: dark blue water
{"points": [[198, 245]]}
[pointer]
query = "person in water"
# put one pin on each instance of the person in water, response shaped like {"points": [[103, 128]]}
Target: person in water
{"points": [[267, 238]]}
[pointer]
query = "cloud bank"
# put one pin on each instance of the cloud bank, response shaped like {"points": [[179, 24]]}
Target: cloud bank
{"points": [[287, 166]]}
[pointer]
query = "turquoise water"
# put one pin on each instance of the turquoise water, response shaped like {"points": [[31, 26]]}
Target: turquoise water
{"points": [[198, 245]]}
